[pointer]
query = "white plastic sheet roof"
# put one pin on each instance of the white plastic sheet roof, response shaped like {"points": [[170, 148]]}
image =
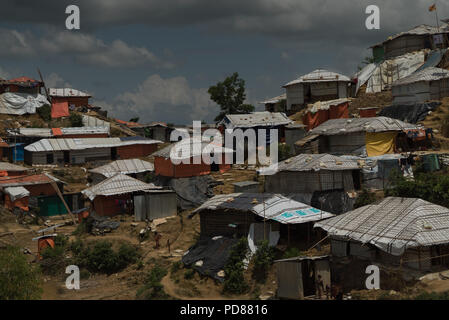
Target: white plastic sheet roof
{"points": [[187, 148], [16, 193], [83, 143], [256, 119], [66, 92], [127, 166], [428, 74], [118, 184], [317, 162], [277, 207], [394, 69], [393, 225], [319, 75], [352, 125]]}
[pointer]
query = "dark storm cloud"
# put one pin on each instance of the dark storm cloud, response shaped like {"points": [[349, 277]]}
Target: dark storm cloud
{"points": [[317, 20]]}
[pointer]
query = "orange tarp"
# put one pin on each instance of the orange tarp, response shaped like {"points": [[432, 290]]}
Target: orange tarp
{"points": [[340, 111], [21, 203], [56, 131], [59, 108], [44, 243], [313, 120], [368, 113]]}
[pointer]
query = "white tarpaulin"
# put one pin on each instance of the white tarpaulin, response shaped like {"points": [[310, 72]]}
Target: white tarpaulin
{"points": [[17, 193], [394, 69], [21, 103]]}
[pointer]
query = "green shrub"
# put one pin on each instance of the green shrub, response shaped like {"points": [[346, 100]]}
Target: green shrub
{"points": [[44, 112], [102, 258], [433, 296], [19, 280], [234, 280], [292, 253], [54, 261], [176, 266], [127, 254], [427, 186], [364, 198], [284, 152], [76, 120], [189, 274], [152, 288], [263, 260]]}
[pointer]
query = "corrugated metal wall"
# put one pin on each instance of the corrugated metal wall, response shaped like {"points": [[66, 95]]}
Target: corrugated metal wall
{"points": [[309, 182], [295, 95], [289, 278], [345, 144], [155, 206]]}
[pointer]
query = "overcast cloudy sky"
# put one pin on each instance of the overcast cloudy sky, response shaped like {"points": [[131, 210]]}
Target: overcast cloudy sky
{"points": [[156, 58]]}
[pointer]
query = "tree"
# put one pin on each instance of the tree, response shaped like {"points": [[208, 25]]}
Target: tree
{"points": [[18, 279], [136, 119], [75, 120], [230, 95]]}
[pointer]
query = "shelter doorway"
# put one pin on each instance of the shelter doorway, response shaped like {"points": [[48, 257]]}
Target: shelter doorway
{"points": [[356, 177], [308, 278], [66, 156], [50, 158], [113, 153]]}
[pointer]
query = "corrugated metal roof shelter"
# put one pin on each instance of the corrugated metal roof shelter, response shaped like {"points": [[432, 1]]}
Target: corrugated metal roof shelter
{"points": [[319, 85], [353, 125], [294, 276], [67, 92], [428, 74], [418, 38], [243, 214], [127, 166], [116, 185], [168, 161], [269, 206], [256, 119], [82, 150], [37, 184], [275, 104], [48, 132], [319, 75], [317, 162], [47, 145], [427, 84], [316, 173], [393, 225], [11, 167]]}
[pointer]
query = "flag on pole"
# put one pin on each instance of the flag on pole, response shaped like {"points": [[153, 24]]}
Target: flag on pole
{"points": [[433, 7]]}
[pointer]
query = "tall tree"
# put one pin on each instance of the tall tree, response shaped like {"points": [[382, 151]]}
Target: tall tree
{"points": [[230, 95]]}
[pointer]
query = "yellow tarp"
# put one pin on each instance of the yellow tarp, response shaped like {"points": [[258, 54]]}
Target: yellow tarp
{"points": [[381, 143]]}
